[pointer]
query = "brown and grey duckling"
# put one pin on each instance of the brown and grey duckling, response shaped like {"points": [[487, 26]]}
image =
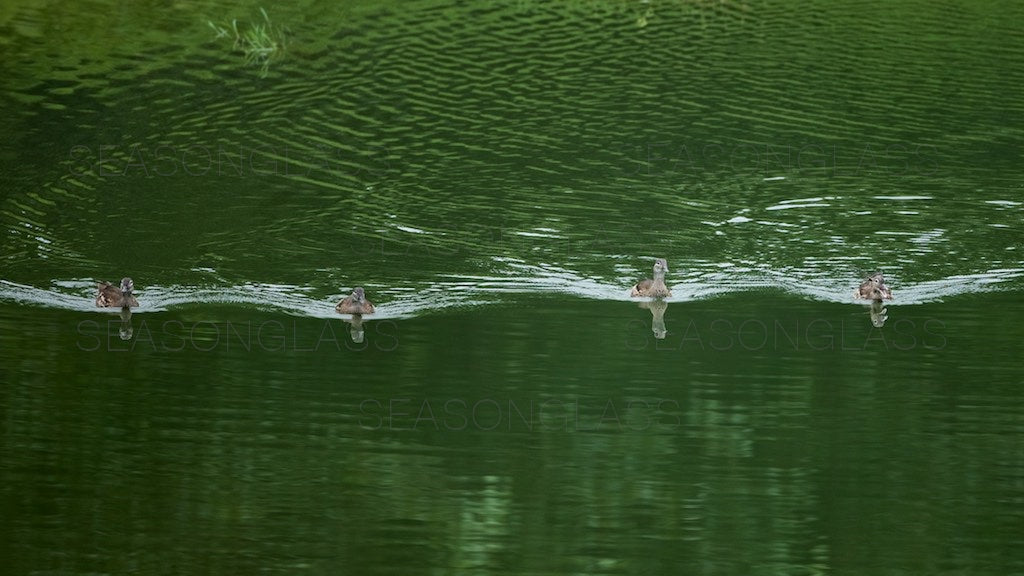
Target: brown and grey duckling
{"points": [[356, 303], [110, 296], [653, 287], [874, 288]]}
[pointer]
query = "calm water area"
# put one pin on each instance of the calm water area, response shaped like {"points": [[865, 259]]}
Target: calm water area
{"points": [[497, 175]]}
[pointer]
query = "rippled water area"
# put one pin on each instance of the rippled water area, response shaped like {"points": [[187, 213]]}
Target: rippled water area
{"points": [[822, 376]]}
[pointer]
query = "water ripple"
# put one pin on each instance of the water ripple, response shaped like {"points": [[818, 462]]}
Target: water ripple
{"points": [[519, 278]]}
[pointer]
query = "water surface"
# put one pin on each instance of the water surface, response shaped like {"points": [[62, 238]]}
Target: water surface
{"points": [[496, 175]]}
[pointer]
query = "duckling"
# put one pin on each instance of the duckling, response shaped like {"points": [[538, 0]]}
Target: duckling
{"points": [[356, 303], [874, 288], [110, 296], [655, 288]]}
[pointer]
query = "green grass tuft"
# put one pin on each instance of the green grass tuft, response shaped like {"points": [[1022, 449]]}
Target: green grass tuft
{"points": [[260, 42]]}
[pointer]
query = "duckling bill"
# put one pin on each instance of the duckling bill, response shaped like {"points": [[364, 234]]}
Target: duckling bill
{"points": [[874, 288], [653, 287], [355, 303], [110, 296]]}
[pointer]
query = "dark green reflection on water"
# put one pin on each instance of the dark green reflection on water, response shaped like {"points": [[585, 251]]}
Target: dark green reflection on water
{"points": [[504, 442], [496, 175]]}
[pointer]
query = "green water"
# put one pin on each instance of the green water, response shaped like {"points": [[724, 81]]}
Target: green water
{"points": [[497, 175]]}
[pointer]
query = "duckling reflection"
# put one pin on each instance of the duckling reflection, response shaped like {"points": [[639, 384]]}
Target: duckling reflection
{"points": [[879, 314], [125, 330], [657, 308], [356, 330], [356, 304]]}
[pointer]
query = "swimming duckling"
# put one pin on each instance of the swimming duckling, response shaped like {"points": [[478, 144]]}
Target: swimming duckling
{"points": [[356, 303], [874, 288], [110, 296], [654, 288]]}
